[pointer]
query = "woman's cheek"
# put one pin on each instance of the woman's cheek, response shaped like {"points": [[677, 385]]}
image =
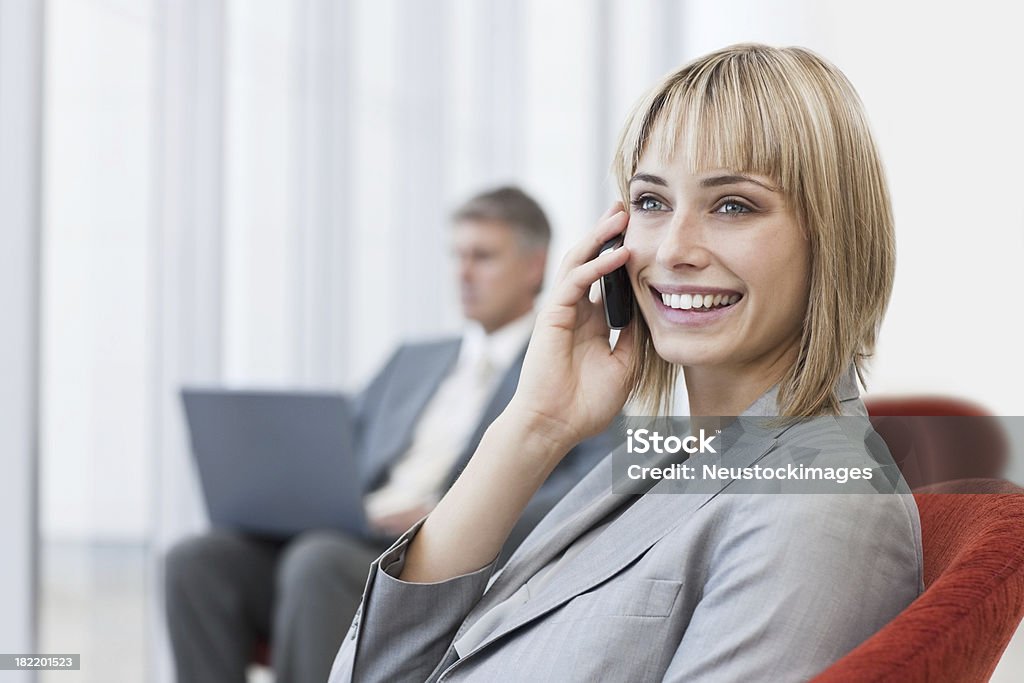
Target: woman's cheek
{"points": [[642, 245], [635, 265]]}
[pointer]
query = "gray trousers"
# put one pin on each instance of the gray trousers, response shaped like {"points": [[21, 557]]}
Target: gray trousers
{"points": [[226, 591]]}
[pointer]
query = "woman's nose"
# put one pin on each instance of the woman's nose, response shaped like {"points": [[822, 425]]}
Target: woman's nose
{"points": [[683, 244]]}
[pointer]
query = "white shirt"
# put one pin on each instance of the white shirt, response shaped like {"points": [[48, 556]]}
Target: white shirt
{"points": [[450, 418]]}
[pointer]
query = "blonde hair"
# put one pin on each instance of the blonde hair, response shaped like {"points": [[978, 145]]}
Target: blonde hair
{"points": [[787, 114]]}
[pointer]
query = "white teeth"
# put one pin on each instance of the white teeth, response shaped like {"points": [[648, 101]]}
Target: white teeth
{"points": [[687, 301]]}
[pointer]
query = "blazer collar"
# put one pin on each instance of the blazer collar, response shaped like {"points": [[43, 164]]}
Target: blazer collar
{"points": [[495, 405], [647, 519], [417, 380]]}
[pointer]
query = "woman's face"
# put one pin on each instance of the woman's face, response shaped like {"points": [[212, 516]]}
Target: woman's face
{"points": [[718, 263]]}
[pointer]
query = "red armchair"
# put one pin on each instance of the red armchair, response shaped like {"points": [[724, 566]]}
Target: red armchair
{"points": [[973, 535], [935, 439]]}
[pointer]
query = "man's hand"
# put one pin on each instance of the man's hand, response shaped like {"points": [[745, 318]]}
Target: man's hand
{"points": [[395, 523]]}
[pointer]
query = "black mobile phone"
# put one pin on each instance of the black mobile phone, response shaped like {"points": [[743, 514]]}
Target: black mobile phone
{"points": [[616, 292]]}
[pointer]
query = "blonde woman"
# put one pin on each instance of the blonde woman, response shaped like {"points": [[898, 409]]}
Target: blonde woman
{"points": [[760, 253]]}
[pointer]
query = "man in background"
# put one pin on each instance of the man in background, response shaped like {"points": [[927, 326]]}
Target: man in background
{"points": [[418, 423]]}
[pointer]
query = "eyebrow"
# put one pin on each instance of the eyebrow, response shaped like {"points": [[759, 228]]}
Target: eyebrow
{"points": [[713, 181], [648, 178]]}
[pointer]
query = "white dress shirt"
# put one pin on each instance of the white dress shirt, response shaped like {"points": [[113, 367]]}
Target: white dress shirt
{"points": [[450, 418]]}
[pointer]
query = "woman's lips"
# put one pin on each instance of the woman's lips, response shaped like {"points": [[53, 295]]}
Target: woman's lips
{"points": [[694, 307]]}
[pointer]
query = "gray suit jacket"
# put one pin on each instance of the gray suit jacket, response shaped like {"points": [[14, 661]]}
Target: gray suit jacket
{"points": [[703, 586], [389, 408]]}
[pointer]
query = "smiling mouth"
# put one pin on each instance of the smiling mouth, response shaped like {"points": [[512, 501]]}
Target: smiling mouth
{"points": [[698, 302]]}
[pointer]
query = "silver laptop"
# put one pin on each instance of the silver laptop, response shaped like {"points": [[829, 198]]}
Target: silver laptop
{"points": [[276, 463]]}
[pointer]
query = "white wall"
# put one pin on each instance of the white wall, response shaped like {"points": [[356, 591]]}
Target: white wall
{"points": [[20, 62], [940, 82], [259, 194], [96, 295]]}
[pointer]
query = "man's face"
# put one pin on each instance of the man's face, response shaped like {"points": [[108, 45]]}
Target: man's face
{"points": [[498, 276]]}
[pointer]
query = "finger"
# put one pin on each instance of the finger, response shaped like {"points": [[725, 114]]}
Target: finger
{"points": [[612, 210], [607, 227], [586, 248], [576, 283]]}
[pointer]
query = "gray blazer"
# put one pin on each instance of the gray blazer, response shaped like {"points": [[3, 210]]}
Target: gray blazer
{"points": [[707, 586], [389, 408]]}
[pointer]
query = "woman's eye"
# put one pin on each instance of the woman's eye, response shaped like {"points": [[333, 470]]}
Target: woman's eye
{"points": [[647, 204], [732, 206]]}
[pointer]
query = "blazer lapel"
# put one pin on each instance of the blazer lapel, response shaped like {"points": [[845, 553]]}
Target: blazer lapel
{"points": [[499, 399], [414, 384], [640, 526]]}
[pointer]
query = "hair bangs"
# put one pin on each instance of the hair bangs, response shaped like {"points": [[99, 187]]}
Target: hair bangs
{"points": [[719, 114]]}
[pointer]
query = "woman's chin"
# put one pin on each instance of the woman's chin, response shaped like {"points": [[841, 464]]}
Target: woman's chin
{"points": [[685, 353]]}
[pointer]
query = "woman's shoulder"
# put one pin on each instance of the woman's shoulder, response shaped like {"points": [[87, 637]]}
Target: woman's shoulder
{"points": [[835, 454], [804, 530], [830, 481]]}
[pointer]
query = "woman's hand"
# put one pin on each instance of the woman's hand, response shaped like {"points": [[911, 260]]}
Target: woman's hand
{"points": [[572, 385]]}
